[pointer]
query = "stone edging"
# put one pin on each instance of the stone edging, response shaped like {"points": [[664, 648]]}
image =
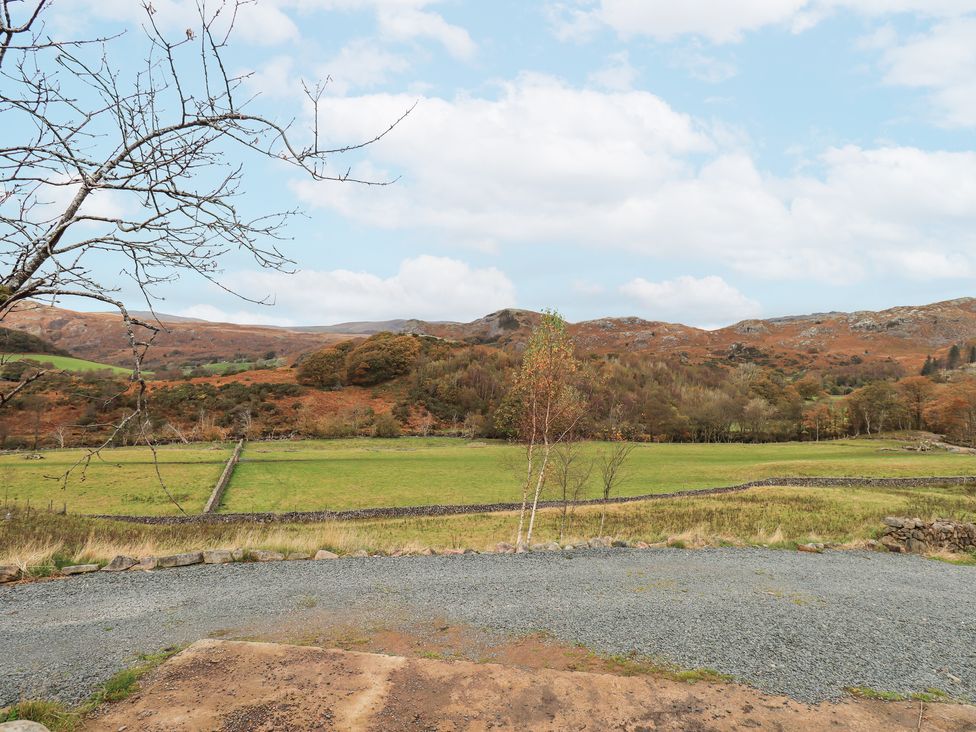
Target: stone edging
{"points": [[461, 509], [217, 495]]}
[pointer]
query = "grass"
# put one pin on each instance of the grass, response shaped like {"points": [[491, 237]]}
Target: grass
{"points": [[68, 363], [929, 696], [773, 516], [123, 480], [349, 474], [61, 718]]}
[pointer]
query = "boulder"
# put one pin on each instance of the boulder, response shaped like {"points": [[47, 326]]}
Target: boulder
{"points": [[894, 522], [9, 572], [325, 554], [180, 560], [641, 545], [263, 555], [538, 547], [237, 554], [620, 543], [146, 564], [23, 725], [120, 564], [811, 548], [79, 569], [503, 547], [553, 547], [218, 556]]}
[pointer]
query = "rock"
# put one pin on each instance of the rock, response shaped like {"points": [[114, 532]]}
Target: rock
{"points": [[642, 545], [9, 572], [537, 548], [120, 564], [503, 547], [553, 547], [237, 554], [218, 556], [871, 545], [79, 569], [892, 545], [425, 552], [146, 564], [568, 548], [811, 548], [893, 522], [23, 725], [620, 543], [595, 543], [180, 560], [263, 555], [292, 556], [325, 554]]}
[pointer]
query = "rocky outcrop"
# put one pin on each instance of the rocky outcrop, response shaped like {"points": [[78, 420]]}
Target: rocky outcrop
{"points": [[917, 536]]}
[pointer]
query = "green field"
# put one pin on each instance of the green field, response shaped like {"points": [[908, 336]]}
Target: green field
{"points": [[67, 363], [345, 474], [122, 481]]}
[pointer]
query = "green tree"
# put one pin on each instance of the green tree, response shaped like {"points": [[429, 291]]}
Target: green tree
{"points": [[954, 358]]}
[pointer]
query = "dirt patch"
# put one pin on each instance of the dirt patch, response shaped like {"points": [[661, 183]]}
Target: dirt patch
{"points": [[232, 686]]}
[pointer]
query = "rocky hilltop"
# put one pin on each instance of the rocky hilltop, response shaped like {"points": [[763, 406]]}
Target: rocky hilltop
{"points": [[905, 334]]}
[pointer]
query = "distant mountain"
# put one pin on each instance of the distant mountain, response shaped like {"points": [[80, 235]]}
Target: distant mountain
{"points": [[820, 340]]}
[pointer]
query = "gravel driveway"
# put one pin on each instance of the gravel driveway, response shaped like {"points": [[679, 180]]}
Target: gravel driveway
{"points": [[800, 624]]}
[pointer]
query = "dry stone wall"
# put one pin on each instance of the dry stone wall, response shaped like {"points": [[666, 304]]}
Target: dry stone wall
{"points": [[915, 535]]}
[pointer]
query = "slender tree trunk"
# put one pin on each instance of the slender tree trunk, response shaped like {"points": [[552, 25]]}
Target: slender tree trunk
{"points": [[538, 489], [525, 492]]}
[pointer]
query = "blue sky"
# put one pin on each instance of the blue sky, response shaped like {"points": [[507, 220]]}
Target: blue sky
{"points": [[701, 162]]}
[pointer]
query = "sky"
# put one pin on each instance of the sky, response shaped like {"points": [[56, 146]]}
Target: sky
{"points": [[700, 162]]}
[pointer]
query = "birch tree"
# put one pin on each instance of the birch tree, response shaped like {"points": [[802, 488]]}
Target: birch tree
{"points": [[548, 407]]}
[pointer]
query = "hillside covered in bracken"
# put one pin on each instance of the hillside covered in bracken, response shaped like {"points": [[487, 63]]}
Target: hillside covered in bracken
{"points": [[803, 377]]}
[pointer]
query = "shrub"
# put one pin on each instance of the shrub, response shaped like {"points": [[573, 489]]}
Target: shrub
{"points": [[380, 358], [325, 369], [386, 425]]}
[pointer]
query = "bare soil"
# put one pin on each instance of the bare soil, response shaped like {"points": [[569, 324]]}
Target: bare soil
{"points": [[233, 686]]}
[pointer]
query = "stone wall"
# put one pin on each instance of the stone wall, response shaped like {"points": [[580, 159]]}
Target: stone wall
{"points": [[453, 510], [915, 535]]}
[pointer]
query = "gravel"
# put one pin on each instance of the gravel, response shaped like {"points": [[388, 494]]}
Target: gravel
{"points": [[805, 625]]}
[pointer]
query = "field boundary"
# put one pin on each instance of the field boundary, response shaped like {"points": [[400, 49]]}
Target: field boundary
{"points": [[476, 508], [217, 495]]}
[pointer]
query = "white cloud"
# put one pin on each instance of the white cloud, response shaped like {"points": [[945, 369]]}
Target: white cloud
{"points": [[618, 75], [709, 302], [625, 172], [721, 21], [941, 60], [701, 65], [433, 288], [244, 317], [362, 64], [263, 23]]}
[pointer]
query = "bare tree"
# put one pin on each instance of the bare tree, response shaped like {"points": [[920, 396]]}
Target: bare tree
{"points": [[108, 162], [611, 464], [571, 472]]}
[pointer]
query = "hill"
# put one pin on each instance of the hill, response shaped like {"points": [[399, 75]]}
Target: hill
{"points": [[101, 337], [905, 335]]}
